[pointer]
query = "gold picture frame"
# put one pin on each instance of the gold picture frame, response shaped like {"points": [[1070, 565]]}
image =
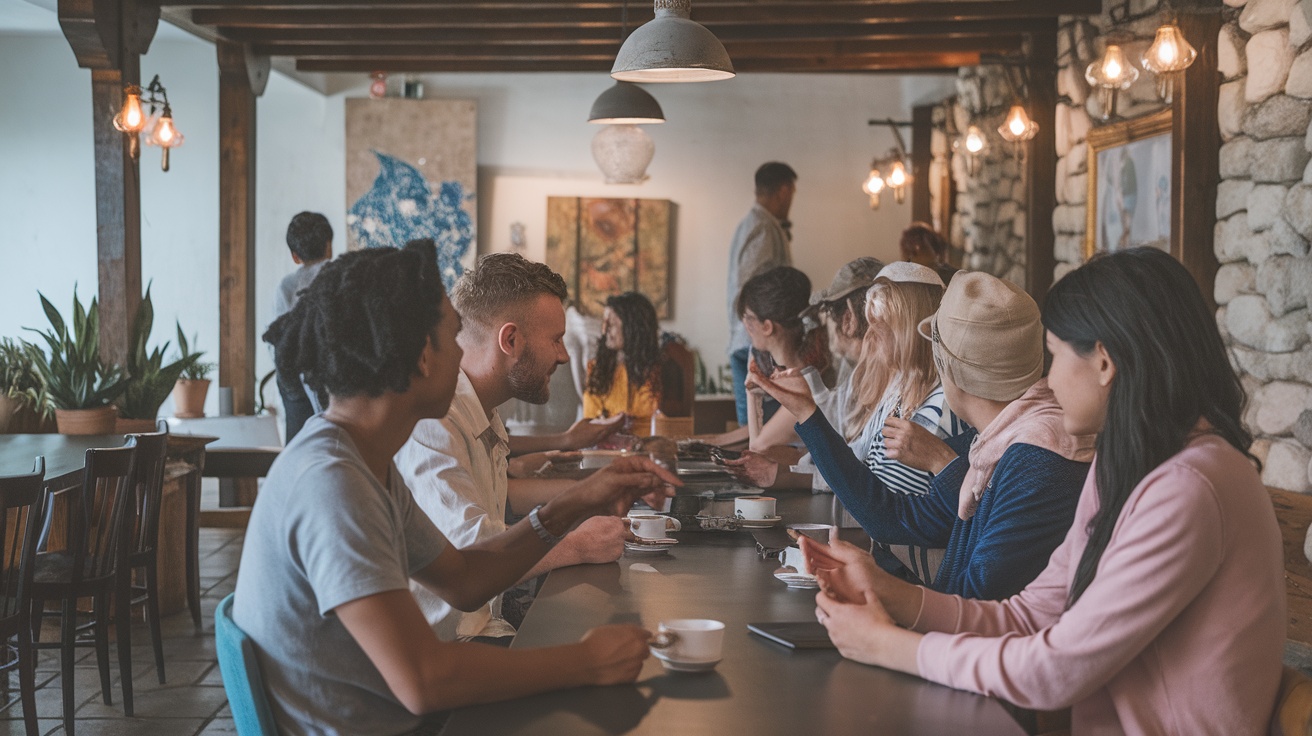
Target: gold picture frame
{"points": [[1148, 155]]}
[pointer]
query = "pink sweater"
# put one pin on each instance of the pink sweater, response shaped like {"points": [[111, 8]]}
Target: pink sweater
{"points": [[1181, 632]]}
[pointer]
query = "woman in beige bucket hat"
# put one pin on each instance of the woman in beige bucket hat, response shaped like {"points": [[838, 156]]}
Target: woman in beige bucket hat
{"points": [[999, 502]]}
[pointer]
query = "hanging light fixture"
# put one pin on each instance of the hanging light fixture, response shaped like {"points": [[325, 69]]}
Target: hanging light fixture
{"points": [[623, 152], [897, 180], [132, 119], [1111, 74], [972, 145], [626, 103], [1168, 55], [672, 48], [1018, 127], [873, 185]]}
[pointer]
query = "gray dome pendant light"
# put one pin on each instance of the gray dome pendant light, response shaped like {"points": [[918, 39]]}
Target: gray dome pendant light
{"points": [[672, 48], [626, 103]]}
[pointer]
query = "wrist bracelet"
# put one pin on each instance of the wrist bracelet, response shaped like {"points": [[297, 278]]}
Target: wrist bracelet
{"points": [[536, 522]]}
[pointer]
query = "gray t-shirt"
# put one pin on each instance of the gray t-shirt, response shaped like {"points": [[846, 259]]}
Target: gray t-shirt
{"points": [[325, 532], [292, 285]]}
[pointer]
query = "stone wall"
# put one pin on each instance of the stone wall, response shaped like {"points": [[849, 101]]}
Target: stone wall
{"points": [[1264, 222]]}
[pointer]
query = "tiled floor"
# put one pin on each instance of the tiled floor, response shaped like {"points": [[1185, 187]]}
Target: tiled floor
{"points": [[192, 702]]}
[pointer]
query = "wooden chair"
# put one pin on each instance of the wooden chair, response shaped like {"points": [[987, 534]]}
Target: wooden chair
{"points": [[1294, 706], [96, 521], [21, 499], [680, 385], [143, 554], [673, 427]]}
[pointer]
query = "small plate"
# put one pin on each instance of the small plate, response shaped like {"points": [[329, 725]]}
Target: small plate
{"points": [[794, 579], [677, 666], [637, 548], [765, 523]]}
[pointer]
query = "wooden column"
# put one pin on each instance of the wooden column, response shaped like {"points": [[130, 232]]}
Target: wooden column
{"points": [[1041, 163], [1197, 138], [108, 38], [922, 155], [241, 80]]}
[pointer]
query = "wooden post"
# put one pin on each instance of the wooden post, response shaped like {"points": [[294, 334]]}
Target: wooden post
{"points": [[241, 79], [108, 38], [922, 155], [1197, 138], [1041, 164]]}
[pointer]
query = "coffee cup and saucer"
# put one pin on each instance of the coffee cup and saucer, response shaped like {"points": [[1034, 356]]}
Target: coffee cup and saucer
{"points": [[755, 512], [795, 573], [689, 644], [651, 534]]}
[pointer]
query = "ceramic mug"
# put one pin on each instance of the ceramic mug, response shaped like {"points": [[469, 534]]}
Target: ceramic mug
{"points": [[793, 557], [653, 527], [753, 507], [819, 532], [690, 640]]}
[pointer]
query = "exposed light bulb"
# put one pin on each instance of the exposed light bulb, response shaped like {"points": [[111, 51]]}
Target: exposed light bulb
{"points": [[131, 118], [1018, 126], [974, 140], [164, 131], [874, 183], [1169, 54], [897, 175]]}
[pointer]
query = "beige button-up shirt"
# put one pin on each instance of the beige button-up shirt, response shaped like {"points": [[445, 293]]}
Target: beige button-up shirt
{"points": [[456, 468]]}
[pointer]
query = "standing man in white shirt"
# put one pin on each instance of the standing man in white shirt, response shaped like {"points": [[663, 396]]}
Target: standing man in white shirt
{"points": [[513, 338], [762, 241]]}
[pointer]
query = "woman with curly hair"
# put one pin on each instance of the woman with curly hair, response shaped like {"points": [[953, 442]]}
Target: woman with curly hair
{"points": [[630, 372]]}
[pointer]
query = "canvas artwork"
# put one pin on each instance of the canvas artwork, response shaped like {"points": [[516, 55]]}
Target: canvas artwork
{"points": [[411, 173], [1134, 195], [604, 247]]}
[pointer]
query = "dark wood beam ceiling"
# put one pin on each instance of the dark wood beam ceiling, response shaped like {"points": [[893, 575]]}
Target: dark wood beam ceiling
{"points": [[903, 63]]}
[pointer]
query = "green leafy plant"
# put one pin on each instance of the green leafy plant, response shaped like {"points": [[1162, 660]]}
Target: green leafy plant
{"points": [[196, 370], [73, 374], [19, 378], [149, 379]]}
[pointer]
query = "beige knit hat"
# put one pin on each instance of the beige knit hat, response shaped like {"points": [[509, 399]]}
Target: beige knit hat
{"points": [[988, 338]]}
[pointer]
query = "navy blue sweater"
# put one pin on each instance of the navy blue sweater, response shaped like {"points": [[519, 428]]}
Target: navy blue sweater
{"points": [[1022, 516]]}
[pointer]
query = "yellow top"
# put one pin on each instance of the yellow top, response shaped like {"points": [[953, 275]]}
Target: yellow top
{"points": [[640, 403]]}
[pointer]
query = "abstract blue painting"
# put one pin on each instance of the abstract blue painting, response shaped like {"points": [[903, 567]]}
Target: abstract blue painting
{"points": [[401, 206]]}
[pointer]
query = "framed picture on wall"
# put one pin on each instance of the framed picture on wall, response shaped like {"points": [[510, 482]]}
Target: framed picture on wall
{"points": [[1130, 203]]}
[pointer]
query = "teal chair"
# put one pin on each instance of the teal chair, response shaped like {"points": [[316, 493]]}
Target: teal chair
{"points": [[241, 675]]}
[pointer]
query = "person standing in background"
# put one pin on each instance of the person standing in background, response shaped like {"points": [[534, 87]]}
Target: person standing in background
{"points": [[310, 239], [922, 244], [761, 242]]}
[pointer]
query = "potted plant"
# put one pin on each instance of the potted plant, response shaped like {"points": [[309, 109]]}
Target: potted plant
{"points": [[80, 387], [149, 379], [190, 390], [23, 401]]}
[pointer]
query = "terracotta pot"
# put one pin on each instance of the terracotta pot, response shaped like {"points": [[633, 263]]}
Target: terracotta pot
{"points": [[189, 398], [134, 426], [86, 421], [8, 409]]}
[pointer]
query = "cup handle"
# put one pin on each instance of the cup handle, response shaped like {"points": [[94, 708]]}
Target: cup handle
{"points": [[738, 514], [678, 527], [663, 640]]}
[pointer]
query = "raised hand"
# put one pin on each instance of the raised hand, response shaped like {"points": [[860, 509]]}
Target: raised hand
{"points": [[788, 387], [845, 572], [615, 653], [614, 488], [588, 432], [916, 447], [754, 468]]}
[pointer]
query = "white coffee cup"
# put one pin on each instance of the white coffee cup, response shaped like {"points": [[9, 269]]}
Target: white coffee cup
{"points": [[690, 640], [754, 507], [793, 557], [653, 527], [819, 532]]}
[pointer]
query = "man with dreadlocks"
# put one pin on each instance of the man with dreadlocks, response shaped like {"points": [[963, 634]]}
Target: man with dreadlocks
{"points": [[513, 339], [336, 535]]}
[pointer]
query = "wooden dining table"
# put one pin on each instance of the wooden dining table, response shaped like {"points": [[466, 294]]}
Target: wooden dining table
{"points": [[759, 687]]}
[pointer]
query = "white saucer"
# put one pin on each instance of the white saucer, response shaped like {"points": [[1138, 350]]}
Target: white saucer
{"points": [[765, 523], [652, 550], [677, 666], [794, 579]]}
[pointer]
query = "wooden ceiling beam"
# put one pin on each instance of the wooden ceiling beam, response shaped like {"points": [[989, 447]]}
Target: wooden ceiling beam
{"points": [[748, 49], [610, 36], [1063, 7], [586, 15], [864, 62]]}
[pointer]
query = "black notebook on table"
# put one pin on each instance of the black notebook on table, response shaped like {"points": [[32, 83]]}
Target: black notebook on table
{"points": [[794, 634]]}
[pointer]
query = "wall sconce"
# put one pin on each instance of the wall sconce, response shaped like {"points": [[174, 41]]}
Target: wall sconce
{"points": [[874, 185], [1018, 127], [898, 177], [897, 181], [1169, 55], [1111, 74], [972, 144], [132, 119]]}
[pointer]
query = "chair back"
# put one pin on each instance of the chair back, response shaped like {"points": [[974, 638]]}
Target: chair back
{"points": [[147, 490], [96, 514], [242, 680], [678, 380], [1294, 706], [21, 502], [672, 427]]}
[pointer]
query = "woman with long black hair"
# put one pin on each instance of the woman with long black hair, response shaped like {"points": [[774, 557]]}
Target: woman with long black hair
{"points": [[631, 373], [1164, 609]]}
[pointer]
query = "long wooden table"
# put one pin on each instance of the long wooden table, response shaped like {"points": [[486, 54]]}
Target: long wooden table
{"points": [[759, 687]]}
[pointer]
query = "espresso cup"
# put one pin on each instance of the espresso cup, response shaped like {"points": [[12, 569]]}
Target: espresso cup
{"points": [[818, 532], [690, 640], [793, 557], [753, 507], [653, 527]]}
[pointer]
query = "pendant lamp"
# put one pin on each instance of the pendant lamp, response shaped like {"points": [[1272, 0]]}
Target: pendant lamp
{"points": [[672, 48], [626, 103], [622, 152]]}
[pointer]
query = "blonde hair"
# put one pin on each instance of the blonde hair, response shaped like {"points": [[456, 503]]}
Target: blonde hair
{"points": [[892, 351]]}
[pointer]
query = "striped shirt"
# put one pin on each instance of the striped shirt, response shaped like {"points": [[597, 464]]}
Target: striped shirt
{"points": [[933, 415]]}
